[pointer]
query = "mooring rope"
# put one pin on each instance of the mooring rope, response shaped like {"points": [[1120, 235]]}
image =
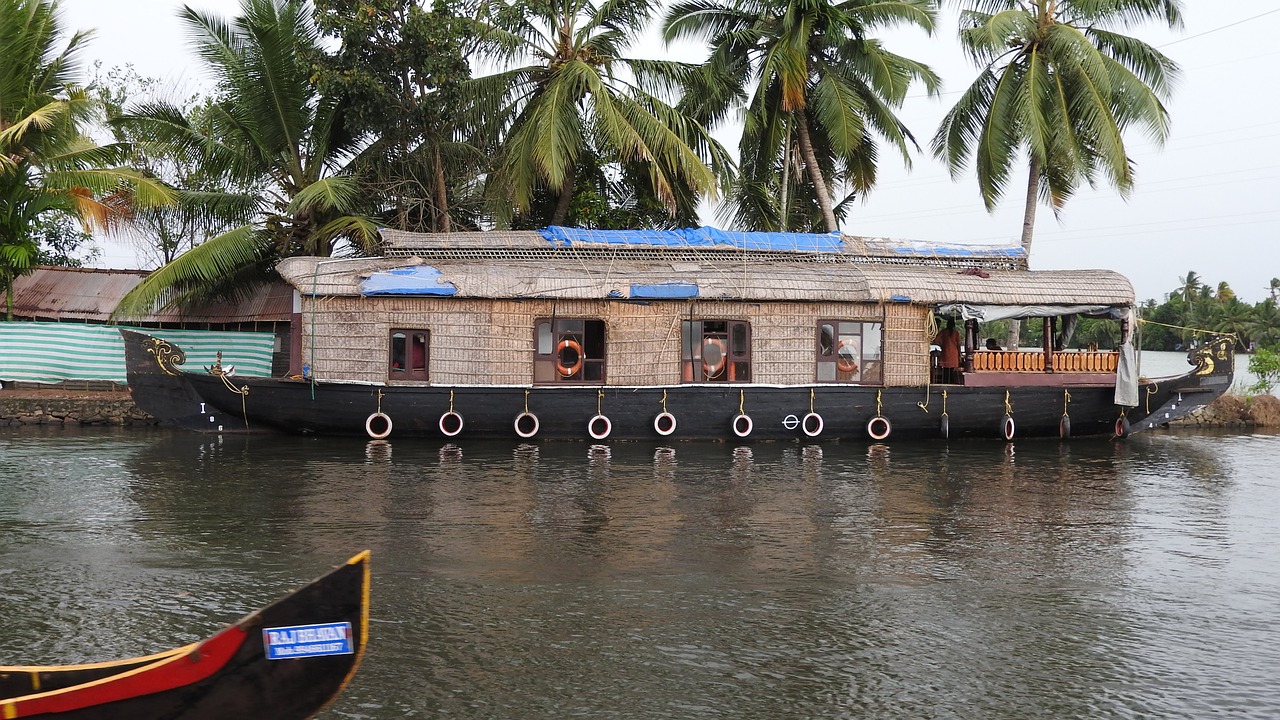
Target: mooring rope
{"points": [[243, 392], [1198, 331]]}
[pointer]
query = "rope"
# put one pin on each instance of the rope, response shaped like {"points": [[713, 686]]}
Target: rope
{"points": [[810, 399], [742, 400], [1066, 400], [1008, 407], [243, 392], [379, 400], [664, 400], [599, 400], [931, 326], [878, 407], [450, 401], [1184, 327], [1155, 386], [925, 405], [526, 401], [944, 403]]}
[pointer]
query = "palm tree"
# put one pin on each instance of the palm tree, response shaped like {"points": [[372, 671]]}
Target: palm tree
{"points": [[1189, 286], [1264, 326], [1231, 316], [816, 88], [1058, 88], [276, 144], [48, 166], [580, 95]]}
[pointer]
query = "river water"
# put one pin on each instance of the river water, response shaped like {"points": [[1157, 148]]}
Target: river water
{"points": [[1094, 578]]}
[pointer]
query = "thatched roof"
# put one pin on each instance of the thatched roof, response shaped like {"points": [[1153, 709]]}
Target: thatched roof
{"points": [[721, 278]]}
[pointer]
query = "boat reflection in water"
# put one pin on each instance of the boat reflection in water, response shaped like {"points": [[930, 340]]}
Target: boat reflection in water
{"points": [[840, 579]]}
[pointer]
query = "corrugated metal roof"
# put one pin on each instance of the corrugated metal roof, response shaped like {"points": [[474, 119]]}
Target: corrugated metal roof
{"points": [[90, 294], [788, 281]]}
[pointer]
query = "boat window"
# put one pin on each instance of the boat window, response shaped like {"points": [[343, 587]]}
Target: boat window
{"points": [[826, 339], [849, 351], [715, 351], [544, 338], [569, 350], [408, 354]]}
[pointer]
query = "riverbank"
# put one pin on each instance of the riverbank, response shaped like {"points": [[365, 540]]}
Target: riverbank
{"points": [[1235, 411], [73, 406], [68, 406]]}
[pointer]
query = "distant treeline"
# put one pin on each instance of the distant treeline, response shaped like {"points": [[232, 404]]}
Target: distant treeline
{"points": [[1192, 309], [1196, 307]]}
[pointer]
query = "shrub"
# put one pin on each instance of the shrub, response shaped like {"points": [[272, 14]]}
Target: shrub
{"points": [[1265, 364]]}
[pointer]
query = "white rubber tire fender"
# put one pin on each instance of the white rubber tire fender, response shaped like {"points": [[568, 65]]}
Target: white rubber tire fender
{"points": [[664, 423], [602, 432], [812, 424], [879, 427], [450, 417], [368, 425], [522, 417]]}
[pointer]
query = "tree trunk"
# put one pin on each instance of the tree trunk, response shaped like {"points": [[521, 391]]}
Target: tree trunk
{"points": [[1029, 214], [1028, 227], [566, 198], [815, 174], [442, 195]]}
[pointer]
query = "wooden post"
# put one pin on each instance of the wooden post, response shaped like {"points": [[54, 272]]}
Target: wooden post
{"points": [[1048, 345], [970, 342]]}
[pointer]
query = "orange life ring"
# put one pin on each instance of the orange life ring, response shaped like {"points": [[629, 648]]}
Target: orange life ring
{"points": [[568, 370], [713, 368], [845, 363]]}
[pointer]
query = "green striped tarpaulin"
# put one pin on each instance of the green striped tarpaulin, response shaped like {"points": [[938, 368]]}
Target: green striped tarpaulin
{"points": [[46, 352]]}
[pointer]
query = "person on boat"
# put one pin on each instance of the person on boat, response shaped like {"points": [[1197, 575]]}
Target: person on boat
{"points": [[949, 356], [993, 345]]}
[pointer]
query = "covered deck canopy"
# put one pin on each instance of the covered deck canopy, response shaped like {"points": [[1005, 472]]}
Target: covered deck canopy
{"points": [[971, 294]]}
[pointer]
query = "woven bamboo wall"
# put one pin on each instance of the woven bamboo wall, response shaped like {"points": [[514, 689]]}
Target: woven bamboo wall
{"points": [[491, 341], [906, 345]]}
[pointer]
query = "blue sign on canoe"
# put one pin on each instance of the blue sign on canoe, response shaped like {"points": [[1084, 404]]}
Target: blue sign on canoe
{"points": [[299, 641]]}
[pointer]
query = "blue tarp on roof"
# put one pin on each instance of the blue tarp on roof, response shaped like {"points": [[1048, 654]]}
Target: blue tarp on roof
{"points": [[697, 237], [665, 291], [959, 251], [421, 280]]}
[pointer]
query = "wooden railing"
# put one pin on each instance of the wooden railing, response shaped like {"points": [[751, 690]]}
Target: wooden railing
{"points": [[1063, 362]]}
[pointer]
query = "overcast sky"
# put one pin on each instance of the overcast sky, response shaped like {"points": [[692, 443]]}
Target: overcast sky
{"points": [[1208, 201]]}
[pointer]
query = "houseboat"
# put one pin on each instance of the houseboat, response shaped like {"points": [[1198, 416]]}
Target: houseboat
{"points": [[696, 334]]}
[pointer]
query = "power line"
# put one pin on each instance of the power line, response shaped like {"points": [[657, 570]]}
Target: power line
{"points": [[1224, 27]]}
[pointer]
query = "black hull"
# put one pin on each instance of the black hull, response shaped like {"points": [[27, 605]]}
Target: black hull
{"points": [[209, 403]]}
